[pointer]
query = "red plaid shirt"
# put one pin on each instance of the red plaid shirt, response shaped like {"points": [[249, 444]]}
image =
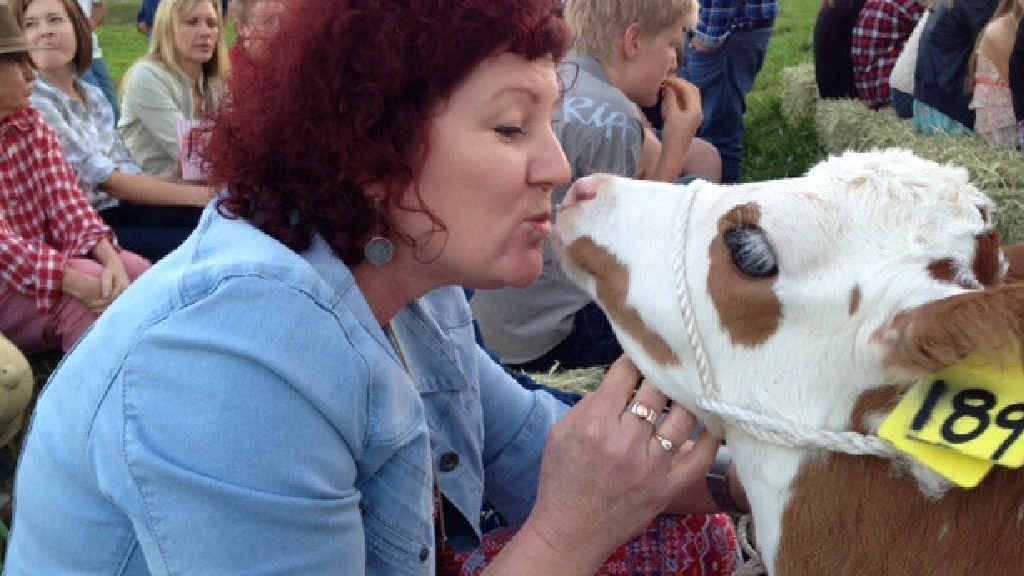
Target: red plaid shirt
{"points": [[882, 29], [44, 217]]}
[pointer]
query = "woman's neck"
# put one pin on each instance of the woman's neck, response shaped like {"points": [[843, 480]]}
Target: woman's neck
{"points": [[193, 70], [391, 287], [63, 79]]}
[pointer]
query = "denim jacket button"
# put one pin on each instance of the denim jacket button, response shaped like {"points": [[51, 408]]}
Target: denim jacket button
{"points": [[449, 462], [424, 554]]}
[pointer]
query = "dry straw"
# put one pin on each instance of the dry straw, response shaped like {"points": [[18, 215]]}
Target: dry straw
{"points": [[850, 125]]}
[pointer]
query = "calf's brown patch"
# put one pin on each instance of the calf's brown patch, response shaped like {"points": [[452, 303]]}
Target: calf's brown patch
{"points": [[748, 309], [612, 280], [852, 516], [986, 259]]}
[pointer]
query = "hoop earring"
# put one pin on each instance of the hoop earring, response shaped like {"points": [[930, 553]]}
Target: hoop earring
{"points": [[378, 250]]}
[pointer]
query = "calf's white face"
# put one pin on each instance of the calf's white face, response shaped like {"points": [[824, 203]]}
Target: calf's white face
{"points": [[795, 284]]}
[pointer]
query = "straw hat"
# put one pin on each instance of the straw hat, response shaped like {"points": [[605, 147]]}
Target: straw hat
{"points": [[12, 41]]}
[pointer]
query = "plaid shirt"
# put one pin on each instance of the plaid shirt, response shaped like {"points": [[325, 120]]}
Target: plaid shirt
{"points": [[718, 18], [882, 29], [44, 217], [88, 139]]}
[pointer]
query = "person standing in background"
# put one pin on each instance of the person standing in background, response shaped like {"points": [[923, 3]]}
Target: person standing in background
{"points": [[727, 50], [144, 20], [98, 74]]}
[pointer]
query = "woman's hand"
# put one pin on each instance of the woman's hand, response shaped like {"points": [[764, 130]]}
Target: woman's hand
{"points": [[606, 473], [114, 279], [87, 289]]}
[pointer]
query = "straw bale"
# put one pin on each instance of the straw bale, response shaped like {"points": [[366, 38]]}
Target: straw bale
{"points": [[850, 125], [799, 93]]}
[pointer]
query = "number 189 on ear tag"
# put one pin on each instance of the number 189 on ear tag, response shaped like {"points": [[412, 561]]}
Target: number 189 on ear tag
{"points": [[976, 409]]}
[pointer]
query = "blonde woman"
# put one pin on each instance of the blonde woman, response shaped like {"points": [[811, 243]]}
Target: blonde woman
{"points": [[179, 79]]}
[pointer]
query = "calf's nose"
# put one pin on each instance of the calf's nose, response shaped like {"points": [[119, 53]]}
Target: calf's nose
{"points": [[584, 189]]}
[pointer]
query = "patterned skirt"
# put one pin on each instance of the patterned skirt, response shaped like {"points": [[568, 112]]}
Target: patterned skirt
{"points": [[670, 546]]}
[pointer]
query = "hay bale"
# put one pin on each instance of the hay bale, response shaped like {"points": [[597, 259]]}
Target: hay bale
{"points": [[799, 93], [850, 125]]}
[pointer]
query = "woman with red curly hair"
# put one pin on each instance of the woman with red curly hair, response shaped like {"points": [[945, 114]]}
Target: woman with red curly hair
{"points": [[297, 389]]}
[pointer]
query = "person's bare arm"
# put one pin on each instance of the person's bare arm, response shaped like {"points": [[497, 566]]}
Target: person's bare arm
{"points": [[143, 189], [649, 154]]}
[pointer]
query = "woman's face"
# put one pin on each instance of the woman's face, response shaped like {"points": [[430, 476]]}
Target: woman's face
{"points": [[264, 19], [50, 35], [16, 78], [492, 163], [197, 32]]}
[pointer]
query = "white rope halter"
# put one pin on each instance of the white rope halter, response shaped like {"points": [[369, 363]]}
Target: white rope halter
{"points": [[773, 430]]}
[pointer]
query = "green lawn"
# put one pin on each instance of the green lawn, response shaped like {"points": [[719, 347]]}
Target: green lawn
{"points": [[122, 43], [774, 150]]}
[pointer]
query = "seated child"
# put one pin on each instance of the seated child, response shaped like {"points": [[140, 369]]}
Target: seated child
{"points": [[941, 98], [901, 79], [625, 55], [59, 265], [992, 102], [883, 28]]}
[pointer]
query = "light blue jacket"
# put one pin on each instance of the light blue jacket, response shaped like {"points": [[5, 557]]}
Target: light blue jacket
{"points": [[239, 411]]}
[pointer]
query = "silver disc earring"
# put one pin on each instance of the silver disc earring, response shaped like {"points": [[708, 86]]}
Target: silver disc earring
{"points": [[379, 251]]}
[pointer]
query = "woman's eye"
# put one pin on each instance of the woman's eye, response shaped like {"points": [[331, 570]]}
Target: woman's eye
{"points": [[509, 131], [751, 252]]}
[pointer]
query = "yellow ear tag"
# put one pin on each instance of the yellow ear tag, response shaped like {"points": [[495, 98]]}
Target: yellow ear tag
{"points": [[962, 420], [964, 471], [976, 407]]}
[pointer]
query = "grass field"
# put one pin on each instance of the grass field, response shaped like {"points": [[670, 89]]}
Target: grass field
{"points": [[774, 150]]}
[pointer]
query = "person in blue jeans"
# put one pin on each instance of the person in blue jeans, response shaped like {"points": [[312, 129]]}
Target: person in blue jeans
{"points": [[98, 74], [726, 52]]}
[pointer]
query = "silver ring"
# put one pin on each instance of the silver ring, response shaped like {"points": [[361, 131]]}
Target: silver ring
{"points": [[666, 444], [643, 412]]}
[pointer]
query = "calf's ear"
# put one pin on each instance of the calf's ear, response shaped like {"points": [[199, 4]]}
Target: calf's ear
{"points": [[944, 332]]}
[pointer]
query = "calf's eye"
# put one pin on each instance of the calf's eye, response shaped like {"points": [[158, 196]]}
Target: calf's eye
{"points": [[751, 252]]}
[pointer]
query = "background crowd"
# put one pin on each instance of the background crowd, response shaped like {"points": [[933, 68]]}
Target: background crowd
{"points": [[953, 67]]}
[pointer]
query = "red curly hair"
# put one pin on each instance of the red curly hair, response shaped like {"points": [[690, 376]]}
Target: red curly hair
{"points": [[343, 98]]}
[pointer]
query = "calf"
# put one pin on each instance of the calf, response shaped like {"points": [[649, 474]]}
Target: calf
{"points": [[817, 302]]}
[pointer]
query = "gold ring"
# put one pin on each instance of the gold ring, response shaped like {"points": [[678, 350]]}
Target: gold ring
{"points": [[643, 412]]}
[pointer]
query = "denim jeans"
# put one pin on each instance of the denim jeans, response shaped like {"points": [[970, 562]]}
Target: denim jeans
{"points": [[99, 76], [151, 231], [725, 75]]}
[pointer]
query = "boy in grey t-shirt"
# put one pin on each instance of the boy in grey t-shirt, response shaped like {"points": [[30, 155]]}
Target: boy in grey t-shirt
{"points": [[625, 55]]}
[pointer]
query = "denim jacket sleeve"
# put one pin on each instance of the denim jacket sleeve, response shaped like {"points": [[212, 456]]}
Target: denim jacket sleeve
{"points": [[244, 459], [516, 427]]}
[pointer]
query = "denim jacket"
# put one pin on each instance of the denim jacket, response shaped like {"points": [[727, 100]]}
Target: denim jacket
{"points": [[238, 410]]}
